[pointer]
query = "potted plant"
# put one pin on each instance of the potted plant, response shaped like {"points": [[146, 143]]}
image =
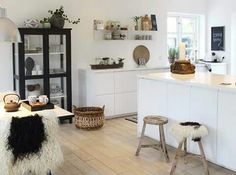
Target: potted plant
{"points": [[59, 17], [172, 55], [136, 19], [45, 23]]}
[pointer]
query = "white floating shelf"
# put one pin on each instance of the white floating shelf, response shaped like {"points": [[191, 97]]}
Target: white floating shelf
{"points": [[131, 35]]}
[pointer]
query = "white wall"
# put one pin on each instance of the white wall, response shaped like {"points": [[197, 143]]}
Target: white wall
{"points": [[84, 48], [221, 13], [187, 6]]}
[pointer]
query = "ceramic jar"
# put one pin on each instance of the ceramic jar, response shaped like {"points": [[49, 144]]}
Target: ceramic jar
{"points": [[57, 21]]}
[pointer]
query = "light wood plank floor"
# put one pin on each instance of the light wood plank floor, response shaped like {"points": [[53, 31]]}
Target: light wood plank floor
{"points": [[110, 151]]}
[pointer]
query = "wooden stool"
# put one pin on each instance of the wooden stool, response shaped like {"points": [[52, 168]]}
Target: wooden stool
{"points": [[192, 130], [154, 120]]}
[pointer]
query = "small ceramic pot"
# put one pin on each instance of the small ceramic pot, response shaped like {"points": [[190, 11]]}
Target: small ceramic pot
{"points": [[171, 60], [57, 21], [108, 36], [46, 25]]}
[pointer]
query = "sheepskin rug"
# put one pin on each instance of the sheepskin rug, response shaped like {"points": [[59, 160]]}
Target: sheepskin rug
{"points": [[181, 132], [50, 155]]}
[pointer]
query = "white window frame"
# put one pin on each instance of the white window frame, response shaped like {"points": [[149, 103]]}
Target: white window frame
{"points": [[179, 33]]}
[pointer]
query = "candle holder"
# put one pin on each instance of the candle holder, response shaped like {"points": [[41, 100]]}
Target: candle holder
{"points": [[182, 67]]}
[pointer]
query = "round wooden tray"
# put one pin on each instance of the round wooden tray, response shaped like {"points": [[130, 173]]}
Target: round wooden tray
{"points": [[141, 51]]}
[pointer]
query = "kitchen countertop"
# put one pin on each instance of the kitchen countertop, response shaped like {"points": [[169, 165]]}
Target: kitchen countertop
{"points": [[198, 79], [201, 63], [128, 69]]}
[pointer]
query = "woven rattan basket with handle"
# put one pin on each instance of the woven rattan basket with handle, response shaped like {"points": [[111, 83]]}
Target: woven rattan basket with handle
{"points": [[89, 117]]}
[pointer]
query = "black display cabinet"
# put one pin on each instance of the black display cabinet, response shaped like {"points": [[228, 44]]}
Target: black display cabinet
{"points": [[42, 65]]}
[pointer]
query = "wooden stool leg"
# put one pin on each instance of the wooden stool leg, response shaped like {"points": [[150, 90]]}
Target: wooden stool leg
{"points": [[185, 151], [203, 157], [185, 147], [177, 155], [160, 135], [141, 138], [163, 143]]}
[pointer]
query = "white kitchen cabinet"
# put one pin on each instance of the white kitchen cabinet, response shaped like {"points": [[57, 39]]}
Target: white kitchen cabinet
{"points": [[108, 101], [126, 81], [151, 71], [203, 109], [116, 89], [216, 68], [147, 107], [226, 142], [125, 103], [219, 68], [178, 98], [103, 83], [197, 98]]}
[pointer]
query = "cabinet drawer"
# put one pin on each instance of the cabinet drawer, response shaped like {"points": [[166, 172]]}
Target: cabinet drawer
{"points": [[126, 81], [108, 101], [125, 103], [103, 83]]}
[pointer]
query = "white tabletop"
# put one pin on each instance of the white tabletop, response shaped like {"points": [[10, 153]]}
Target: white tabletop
{"points": [[25, 112]]}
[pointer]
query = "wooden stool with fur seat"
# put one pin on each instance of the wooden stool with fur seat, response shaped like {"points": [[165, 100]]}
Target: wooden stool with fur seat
{"points": [[192, 130], [154, 120]]}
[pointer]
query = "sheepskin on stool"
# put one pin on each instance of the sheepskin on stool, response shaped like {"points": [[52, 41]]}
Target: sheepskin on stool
{"points": [[192, 130], [44, 155]]}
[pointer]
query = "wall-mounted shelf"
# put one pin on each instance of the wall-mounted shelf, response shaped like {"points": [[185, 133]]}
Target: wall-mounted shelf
{"points": [[130, 35]]}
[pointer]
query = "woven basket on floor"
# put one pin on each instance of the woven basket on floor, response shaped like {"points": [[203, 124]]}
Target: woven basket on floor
{"points": [[89, 117]]}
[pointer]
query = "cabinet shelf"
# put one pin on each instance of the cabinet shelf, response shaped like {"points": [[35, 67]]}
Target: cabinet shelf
{"points": [[33, 54], [29, 77], [57, 96], [41, 54], [57, 75], [56, 53]]}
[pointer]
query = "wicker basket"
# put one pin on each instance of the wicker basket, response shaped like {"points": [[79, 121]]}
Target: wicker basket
{"points": [[89, 117]]}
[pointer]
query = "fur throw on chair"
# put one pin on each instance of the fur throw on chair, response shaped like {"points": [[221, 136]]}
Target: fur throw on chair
{"points": [[192, 130], [44, 154], [26, 136]]}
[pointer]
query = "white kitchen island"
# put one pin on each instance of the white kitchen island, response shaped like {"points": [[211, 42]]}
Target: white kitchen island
{"points": [[198, 97]]}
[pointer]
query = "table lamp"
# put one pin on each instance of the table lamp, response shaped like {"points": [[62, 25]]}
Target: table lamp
{"points": [[8, 29], [9, 33]]}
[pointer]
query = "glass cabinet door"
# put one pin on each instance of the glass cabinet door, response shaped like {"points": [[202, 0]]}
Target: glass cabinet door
{"points": [[33, 48], [58, 91], [15, 60], [34, 87], [57, 54]]}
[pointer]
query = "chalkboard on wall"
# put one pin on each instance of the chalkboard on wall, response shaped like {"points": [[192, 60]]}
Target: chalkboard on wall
{"points": [[218, 38]]}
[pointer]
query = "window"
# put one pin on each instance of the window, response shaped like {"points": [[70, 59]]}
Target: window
{"points": [[184, 28]]}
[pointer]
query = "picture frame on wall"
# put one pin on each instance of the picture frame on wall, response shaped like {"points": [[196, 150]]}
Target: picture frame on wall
{"points": [[218, 38], [154, 22]]}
